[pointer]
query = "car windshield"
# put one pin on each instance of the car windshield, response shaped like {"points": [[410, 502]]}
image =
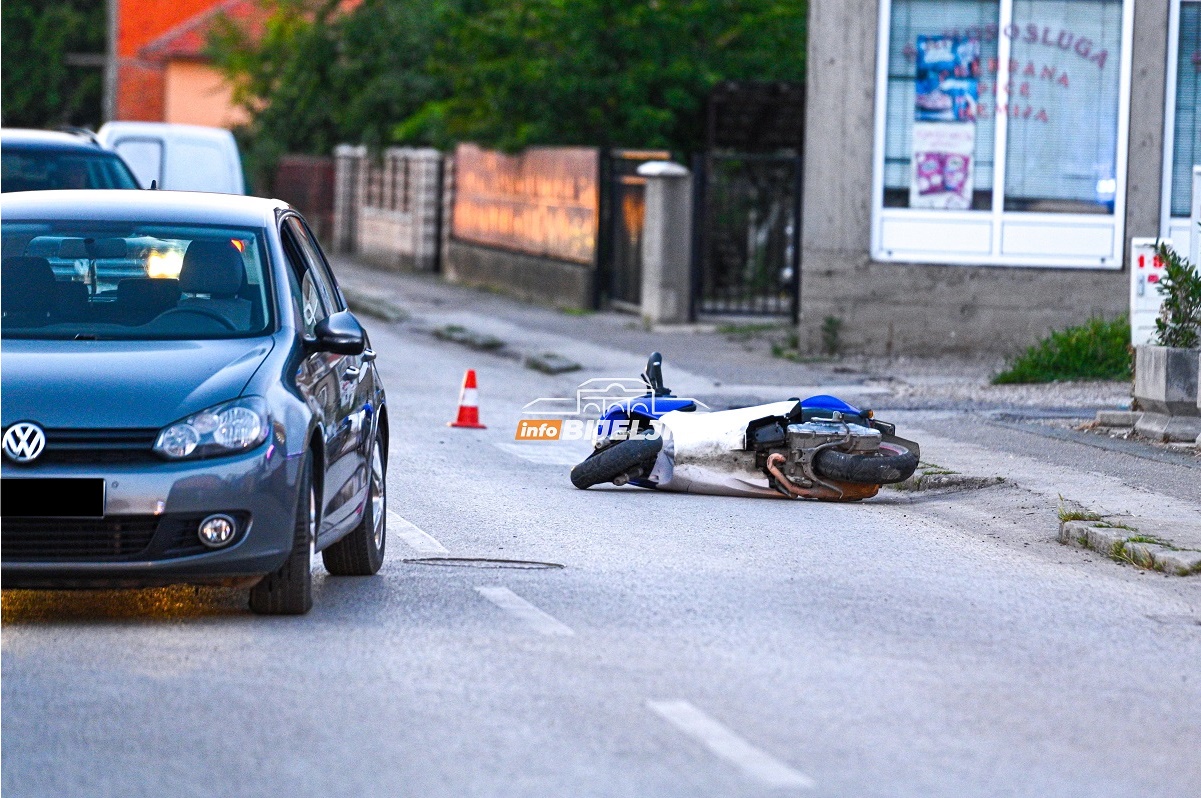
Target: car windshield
{"points": [[136, 281], [38, 170]]}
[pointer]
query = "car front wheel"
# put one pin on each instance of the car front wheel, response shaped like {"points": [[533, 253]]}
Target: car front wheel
{"points": [[289, 591], [361, 553]]}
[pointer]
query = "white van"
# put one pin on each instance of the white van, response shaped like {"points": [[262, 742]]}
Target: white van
{"points": [[179, 157]]}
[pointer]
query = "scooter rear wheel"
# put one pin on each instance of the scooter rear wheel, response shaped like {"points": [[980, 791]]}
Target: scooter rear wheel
{"points": [[893, 463], [620, 458]]}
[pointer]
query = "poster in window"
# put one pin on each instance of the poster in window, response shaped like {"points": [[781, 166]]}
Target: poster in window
{"points": [[948, 79], [943, 164]]}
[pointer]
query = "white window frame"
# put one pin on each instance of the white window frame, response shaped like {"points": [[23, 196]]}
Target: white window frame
{"points": [[1176, 228], [998, 237]]}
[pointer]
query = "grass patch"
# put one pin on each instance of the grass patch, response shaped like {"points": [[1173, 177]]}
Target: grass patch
{"points": [[1071, 513], [566, 311], [1095, 350]]}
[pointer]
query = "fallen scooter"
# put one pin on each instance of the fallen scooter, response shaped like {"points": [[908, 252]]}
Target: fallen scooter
{"points": [[817, 448]]}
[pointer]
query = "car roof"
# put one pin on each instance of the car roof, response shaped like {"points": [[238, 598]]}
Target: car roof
{"points": [[141, 206], [26, 139]]}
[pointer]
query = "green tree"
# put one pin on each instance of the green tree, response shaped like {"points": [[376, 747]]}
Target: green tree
{"points": [[503, 73], [315, 76], [603, 72], [37, 87]]}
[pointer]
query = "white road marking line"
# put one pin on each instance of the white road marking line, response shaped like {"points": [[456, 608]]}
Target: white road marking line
{"points": [[543, 453], [418, 540], [521, 609], [723, 742]]}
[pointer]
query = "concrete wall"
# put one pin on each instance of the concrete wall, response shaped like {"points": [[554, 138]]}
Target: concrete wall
{"points": [[892, 308], [527, 277], [388, 210]]}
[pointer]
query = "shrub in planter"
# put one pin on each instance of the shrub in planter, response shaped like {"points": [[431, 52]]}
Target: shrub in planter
{"points": [[1179, 322], [1166, 376]]}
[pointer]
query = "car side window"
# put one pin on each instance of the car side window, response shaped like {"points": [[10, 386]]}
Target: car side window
{"points": [[316, 264], [304, 286]]}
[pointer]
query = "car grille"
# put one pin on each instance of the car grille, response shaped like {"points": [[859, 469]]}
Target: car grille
{"points": [[42, 539], [133, 537], [101, 446]]}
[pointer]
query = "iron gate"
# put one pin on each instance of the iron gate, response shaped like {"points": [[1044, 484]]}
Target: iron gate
{"points": [[746, 253], [623, 211]]}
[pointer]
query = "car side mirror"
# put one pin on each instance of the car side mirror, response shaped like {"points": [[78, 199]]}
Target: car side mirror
{"points": [[339, 333]]}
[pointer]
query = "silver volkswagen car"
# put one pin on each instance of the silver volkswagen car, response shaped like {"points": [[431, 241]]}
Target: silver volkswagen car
{"points": [[185, 398]]}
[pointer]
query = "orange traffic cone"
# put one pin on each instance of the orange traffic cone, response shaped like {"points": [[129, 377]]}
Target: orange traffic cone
{"points": [[469, 404]]}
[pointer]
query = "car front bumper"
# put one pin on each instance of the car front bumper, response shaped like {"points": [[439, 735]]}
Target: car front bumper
{"points": [[165, 501]]}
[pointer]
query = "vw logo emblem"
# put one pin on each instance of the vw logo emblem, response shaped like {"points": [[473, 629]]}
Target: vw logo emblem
{"points": [[24, 441]]}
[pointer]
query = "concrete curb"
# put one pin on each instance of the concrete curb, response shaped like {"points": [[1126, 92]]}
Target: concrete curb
{"points": [[1127, 545], [372, 305]]}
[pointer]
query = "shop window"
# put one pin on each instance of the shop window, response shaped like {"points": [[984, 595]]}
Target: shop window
{"points": [[963, 22], [1001, 131], [1186, 146], [1063, 106]]}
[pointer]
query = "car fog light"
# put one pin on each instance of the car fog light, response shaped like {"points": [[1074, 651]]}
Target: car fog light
{"points": [[217, 531]]}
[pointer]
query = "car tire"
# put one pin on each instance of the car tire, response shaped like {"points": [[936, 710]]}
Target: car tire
{"points": [[361, 552], [289, 591]]}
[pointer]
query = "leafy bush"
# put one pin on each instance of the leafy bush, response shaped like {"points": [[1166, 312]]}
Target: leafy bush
{"points": [[1179, 322], [1096, 350]]}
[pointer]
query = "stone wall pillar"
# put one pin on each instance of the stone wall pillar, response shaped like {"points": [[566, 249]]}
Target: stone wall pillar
{"points": [[348, 173], [667, 243]]}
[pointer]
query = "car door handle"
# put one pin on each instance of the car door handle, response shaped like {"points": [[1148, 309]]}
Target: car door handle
{"points": [[368, 355]]}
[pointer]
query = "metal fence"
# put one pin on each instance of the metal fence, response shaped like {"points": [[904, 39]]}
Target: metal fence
{"points": [[746, 253]]}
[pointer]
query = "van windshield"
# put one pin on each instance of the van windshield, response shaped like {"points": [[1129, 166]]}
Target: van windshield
{"points": [[137, 281]]}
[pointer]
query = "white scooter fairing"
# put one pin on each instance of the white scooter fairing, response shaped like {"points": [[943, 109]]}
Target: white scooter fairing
{"points": [[704, 453]]}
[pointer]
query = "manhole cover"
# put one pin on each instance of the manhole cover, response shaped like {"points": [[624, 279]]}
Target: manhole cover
{"points": [[482, 562]]}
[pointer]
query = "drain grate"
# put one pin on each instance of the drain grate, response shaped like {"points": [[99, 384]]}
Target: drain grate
{"points": [[482, 562]]}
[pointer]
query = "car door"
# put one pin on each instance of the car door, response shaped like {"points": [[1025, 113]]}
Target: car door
{"points": [[339, 390]]}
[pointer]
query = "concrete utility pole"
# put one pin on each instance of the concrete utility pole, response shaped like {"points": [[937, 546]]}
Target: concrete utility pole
{"points": [[109, 110]]}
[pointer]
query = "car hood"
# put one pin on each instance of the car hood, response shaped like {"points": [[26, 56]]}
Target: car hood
{"points": [[107, 384]]}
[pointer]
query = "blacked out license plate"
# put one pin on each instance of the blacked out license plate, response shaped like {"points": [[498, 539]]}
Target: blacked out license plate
{"points": [[52, 498]]}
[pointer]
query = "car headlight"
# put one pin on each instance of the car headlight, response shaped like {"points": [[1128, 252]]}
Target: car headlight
{"points": [[223, 429]]}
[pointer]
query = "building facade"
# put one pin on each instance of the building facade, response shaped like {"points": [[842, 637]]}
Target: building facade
{"points": [[163, 72], [975, 169]]}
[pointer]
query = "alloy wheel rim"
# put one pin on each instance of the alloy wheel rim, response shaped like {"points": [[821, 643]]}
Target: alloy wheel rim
{"points": [[378, 498]]}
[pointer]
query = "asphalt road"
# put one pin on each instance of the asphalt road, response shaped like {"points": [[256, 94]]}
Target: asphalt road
{"points": [[686, 646]]}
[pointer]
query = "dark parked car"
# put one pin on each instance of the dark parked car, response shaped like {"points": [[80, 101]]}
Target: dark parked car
{"points": [[40, 160], [186, 398]]}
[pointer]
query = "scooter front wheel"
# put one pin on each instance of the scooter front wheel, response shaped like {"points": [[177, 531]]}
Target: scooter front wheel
{"points": [[610, 463], [893, 463]]}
